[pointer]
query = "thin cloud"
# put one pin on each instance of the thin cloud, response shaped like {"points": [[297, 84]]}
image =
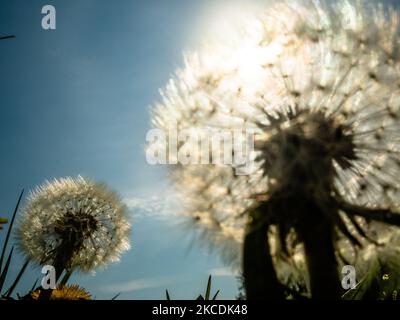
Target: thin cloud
{"points": [[161, 206], [144, 283], [223, 272]]}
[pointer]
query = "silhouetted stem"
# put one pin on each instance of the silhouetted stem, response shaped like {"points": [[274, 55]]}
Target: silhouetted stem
{"points": [[63, 258], [317, 234], [261, 281]]}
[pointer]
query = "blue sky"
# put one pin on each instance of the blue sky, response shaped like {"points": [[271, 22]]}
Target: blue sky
{"points": [[76, 100]]}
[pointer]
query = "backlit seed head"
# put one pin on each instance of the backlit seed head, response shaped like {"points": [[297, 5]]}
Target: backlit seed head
{"points": [[319, 84], [76, 215]]}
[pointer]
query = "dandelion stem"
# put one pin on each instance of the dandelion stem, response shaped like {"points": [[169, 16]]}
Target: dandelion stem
{"points": [[317, 235], [261, 281], [63, 259]]}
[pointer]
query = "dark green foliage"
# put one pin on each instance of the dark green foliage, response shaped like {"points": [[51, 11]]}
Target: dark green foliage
{"points": [[9, 230], [4, 271], [382, 282]]}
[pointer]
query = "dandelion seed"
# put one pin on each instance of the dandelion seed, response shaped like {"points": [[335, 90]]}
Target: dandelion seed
{"points": [[73, 223], [322, 92]]}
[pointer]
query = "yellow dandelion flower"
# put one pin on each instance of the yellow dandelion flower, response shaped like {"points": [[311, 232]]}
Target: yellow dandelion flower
{"points": [[66, 292], [2, 221]]}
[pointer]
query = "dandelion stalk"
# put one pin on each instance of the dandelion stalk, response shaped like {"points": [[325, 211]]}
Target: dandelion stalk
{"points": [[320, 254], [64, 255], [261, 281]]}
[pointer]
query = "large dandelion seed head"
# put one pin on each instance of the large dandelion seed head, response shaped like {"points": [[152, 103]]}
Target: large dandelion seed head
{"points": [[319, 84], [77, 216]]}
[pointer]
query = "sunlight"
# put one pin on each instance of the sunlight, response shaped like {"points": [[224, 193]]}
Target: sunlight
{"points": [[234, 44]]}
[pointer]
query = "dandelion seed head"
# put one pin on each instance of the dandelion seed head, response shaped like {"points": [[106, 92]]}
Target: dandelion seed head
{"points": [[78, 214], [320, 85]]}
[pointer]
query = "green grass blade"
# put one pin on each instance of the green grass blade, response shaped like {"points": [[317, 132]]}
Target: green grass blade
{"points": [[67, 275], [208, 290], [4, 273], [13, 286], [7, 37], [116, 296], [368, 283], [167, 294], [34, 285], [9, 230], [215, 295]]}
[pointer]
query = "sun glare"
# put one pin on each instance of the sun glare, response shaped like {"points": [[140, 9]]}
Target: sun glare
{"points": [[233, 43]]}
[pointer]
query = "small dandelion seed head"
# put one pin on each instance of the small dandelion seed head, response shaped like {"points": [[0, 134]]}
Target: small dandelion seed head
{"points": [[76, 215], [319, 84]]}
